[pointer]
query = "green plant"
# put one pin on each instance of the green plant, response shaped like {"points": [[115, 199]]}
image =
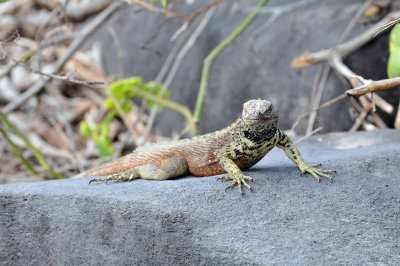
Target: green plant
{"points": [[123, 91], [163, 2], [126, 89], [5, 128], [99, 134], [208, 61], [393, 68]]}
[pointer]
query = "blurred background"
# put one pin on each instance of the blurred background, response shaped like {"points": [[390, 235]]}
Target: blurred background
{"points": [[83, 82]]}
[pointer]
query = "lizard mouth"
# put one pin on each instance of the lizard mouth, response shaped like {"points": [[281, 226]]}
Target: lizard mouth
{"points": [[263, 118]]}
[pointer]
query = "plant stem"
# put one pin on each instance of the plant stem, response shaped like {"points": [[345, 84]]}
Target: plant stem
{"points": [[166, 103], [25, 57], [210, 58], [35, 151], [17, 152]]}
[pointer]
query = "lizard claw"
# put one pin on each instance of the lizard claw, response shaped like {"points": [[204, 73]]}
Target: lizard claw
{"points": [[97, 180], [317, 173], [123, 176], [239, 180]]}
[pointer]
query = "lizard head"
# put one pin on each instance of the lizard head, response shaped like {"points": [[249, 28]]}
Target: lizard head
{"points": [[259, 112]]}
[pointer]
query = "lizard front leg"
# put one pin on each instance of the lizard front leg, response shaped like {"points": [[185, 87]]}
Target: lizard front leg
{"points": [[174, 167], [234, 173], [293, 153]]}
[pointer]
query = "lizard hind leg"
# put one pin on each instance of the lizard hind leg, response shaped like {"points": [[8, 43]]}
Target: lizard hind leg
{"points": [[174, 167], [127, 175]]}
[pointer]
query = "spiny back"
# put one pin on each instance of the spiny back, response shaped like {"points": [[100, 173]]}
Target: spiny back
{"points": [[159, 153]]}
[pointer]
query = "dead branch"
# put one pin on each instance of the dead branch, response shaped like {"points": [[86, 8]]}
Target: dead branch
{"points": [[83, 36], [317, 98], [82, 9], [379, 101], [169, 14], [308, 135], [387, 26], [69, 78], [155, 34], [205, 9], [318, 89], [324, 105], [149, 7], [275, 12], [345, 48], [361, 86], [175, 67], [374, 86], [397, 119], [370, 108]]}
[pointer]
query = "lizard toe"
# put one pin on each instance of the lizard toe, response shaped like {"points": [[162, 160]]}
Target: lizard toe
{"points": [[239, 181], [224, 178], [230, 186], [317, 173]]}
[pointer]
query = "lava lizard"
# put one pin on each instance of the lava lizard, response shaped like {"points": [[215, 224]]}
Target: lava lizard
{"points": [[238, 146]]}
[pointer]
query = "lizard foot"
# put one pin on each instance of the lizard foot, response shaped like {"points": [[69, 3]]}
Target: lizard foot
{"points": [[239, 180], [315, 172], [123, 176]]}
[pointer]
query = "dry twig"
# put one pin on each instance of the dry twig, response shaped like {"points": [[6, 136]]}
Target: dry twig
{"points": [[374, 86], [169, 14], [324, 105], [84, 35], [175, 67], [361, 86], [397, 119], [345, 48], [317, 93], [308, 135], [275, 12]]}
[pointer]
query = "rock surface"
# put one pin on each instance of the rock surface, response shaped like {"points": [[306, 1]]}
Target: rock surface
{"points": [[287, 219], [238, 74]]}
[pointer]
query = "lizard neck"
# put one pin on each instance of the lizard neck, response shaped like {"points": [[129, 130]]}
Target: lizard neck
{"points": [[257, 133]]}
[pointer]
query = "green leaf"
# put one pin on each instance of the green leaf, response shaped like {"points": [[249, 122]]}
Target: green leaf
{"points": [[98, 133], [394, 41], [104, 148], [126, 89], [164, 3], [122, 91], [148, 87], [84, 128], [393, 69], [3, 1]]}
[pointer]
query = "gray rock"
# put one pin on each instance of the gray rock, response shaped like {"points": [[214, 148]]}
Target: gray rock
{"points": [[287, 219], [238, 75]]}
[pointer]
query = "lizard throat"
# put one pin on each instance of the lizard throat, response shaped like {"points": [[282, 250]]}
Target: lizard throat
{"points": [[259, 133]]}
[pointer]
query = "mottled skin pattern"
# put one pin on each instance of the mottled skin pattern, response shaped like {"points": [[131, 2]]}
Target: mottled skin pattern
{"points": [[230, 150]]}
